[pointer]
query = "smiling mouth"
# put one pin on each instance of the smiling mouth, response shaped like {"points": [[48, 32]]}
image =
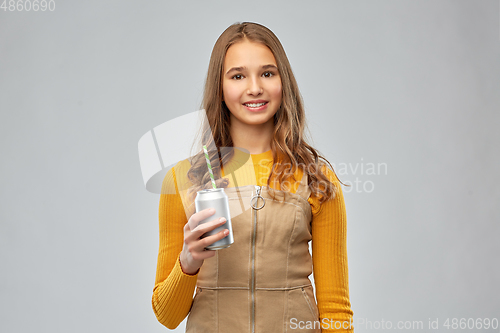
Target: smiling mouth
{"points": [[255, 105]]}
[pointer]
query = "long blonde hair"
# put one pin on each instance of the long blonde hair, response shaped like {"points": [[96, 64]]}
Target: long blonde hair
{"points": [[288, 145]]}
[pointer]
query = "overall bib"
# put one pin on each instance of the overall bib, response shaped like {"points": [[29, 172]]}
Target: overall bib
{"points": [[260, 284]]}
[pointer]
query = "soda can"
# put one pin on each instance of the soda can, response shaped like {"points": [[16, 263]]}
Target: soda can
{"points": [[217, 199]]}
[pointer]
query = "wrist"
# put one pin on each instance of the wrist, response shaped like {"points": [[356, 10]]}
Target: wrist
{"points": [[185, 269]]}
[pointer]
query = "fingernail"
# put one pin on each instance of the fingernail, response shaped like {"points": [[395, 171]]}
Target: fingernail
{"points": [[222, 219], [226, 232]]}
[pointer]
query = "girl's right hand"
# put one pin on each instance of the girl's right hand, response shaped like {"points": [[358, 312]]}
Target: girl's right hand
{"points": [[193, 251]]}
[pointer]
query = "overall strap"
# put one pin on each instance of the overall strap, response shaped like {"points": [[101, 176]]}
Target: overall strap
{"points": [[303, 190]]}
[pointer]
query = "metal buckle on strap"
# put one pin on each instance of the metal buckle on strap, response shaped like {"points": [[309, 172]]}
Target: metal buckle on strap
{"points": [[256, 201], [257, 196]]}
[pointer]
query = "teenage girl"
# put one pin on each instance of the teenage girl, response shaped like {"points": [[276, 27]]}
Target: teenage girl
{"points": [[261, 282]]}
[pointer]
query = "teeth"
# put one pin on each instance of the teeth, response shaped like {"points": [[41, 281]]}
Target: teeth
{"points": [[254, 105]]}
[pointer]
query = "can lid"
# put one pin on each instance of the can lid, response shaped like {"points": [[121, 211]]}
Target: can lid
{"points": [[212, 190]]}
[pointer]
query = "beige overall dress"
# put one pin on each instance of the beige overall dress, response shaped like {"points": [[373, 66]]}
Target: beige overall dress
{"points": [[261, 281]]}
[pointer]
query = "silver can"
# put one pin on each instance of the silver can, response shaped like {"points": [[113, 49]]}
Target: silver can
{"points": [[217, 199]]}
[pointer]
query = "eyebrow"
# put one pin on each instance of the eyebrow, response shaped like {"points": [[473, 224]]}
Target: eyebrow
{"points": [[240, 69]]}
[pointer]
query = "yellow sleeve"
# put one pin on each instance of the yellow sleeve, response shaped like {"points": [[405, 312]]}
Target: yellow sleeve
{"points": [[173, 290], [329, 254]]}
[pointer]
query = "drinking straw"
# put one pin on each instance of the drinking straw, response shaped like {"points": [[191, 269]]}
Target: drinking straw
{"points": [[209, 167]]}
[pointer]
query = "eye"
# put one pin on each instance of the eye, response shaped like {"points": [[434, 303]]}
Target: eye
{"points": [[268, 74], [237, 77]]}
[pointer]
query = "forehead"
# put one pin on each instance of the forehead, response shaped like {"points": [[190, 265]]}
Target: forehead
{"points": [[248, 54]]}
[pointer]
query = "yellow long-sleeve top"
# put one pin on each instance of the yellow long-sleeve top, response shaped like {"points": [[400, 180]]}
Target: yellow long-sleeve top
{"points": [[173, 290]]}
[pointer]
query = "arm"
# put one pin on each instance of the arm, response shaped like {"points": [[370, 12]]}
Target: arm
{"points": [[329, 251], [173, 290]]}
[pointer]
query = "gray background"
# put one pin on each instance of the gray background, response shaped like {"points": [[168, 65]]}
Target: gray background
{"points": [[412, 84]]}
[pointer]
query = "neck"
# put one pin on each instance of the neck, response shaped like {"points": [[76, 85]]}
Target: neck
{"points": [[254, 138]]}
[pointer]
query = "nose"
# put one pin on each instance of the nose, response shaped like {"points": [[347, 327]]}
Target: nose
{"points": [[254, 87]]}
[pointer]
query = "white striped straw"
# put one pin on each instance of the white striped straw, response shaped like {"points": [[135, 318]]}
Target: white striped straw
{"points": [[209, 166]]}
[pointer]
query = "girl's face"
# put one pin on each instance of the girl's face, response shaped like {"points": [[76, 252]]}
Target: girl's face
{"points": [[251, 84]]}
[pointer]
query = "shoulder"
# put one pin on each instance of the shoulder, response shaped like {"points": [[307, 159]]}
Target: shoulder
{"points": [[176, 178], [333, 181], [328, 172]]}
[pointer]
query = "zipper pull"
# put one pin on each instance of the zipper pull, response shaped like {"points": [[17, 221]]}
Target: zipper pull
{"points": [[256, 197]]}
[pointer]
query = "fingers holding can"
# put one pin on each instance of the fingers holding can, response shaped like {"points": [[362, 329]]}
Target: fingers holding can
{"points": [[198, 217], [217, 199]]}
